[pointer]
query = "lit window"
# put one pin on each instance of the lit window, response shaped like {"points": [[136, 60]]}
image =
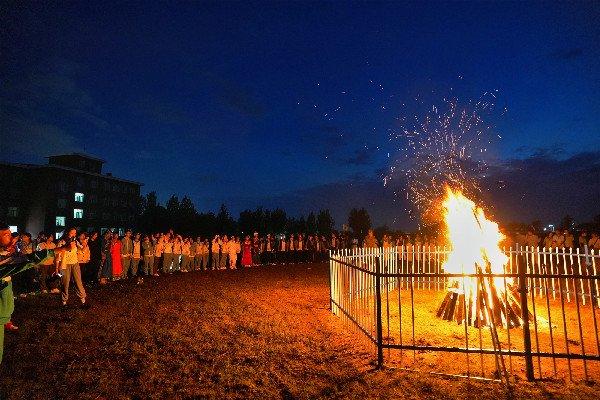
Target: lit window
{"points": [[60, 221], [62, 203], [58, 234], [77, 213], [13, 211], [13, 228], [79, 197]]}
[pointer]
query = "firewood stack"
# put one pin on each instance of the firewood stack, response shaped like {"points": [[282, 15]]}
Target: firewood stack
{"points": [[505, 307]]}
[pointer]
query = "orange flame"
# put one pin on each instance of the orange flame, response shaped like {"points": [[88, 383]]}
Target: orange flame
{"points": [[475, 243]]}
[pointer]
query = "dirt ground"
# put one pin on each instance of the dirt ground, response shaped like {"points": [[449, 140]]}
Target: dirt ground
{"points": [[264, 333], [547, 331]]}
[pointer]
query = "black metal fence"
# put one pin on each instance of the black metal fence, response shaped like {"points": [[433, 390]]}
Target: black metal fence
{"points": [[404, 306]]}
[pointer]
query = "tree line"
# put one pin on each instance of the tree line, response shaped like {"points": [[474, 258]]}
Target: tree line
{"points": [[182, 216]]}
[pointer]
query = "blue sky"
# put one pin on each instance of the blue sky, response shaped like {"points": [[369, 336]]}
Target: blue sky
{"points": [[235, 102]]}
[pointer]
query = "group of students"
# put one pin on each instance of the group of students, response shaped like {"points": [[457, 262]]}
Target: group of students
{"points": [[102, 258], [560, 239], [152, 254]]}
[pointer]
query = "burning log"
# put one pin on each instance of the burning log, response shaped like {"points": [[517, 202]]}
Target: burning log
{"points": [[481, 300], [504, 308]]}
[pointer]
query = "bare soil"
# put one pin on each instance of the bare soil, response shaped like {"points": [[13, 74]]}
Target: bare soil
{"points": [[263, 333]]}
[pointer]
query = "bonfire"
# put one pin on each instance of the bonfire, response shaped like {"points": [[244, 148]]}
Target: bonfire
{"points": [[475, 249]]}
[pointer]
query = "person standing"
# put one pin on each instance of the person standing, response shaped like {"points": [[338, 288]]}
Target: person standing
{"points": [[177, 247], [83, 256], [126, 253], [370, 240], [233, 250], [167, 255], [148, 254], [197, 254], [26, 280], [95, 257], [301, 248], [185, 255], [224, 254], [106, 258], [136, 256], [115, 253], [205, 252], [247, 252], [70, 268], [159, 246], [193, 250], [531, 239], [582, 240], [569, 239], [10, 265], [255, 250], [214, 249], [282, 253], [46, 267]]}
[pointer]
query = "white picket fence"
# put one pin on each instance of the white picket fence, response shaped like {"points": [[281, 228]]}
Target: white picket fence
{"points": [[566, 264]]}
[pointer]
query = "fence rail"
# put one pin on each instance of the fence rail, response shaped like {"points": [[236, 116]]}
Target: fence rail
{"points": [[392, 297]]}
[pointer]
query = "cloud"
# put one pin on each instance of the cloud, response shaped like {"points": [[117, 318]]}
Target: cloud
{"points": [[46, 103], [26, 138], [556, 151], [546, 187], [566, 54]]}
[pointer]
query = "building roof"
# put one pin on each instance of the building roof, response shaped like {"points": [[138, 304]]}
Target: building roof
{"points": [[89, 157], [105, 176]]}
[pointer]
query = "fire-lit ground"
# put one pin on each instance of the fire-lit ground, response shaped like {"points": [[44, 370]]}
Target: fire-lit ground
{"points": [[263, 333], [432, 331]]}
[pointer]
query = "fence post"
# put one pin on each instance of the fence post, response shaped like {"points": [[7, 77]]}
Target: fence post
{"points": [[521, 266], [330, 280], [378, 306]]}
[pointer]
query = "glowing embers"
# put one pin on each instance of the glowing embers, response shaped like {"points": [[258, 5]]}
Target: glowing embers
{"points": [[475, 249]]}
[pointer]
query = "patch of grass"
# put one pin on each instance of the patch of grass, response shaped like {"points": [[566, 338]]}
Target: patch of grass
{"points": [[263, 333]]}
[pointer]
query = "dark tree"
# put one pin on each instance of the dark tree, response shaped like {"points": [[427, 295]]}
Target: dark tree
{"points": [[325, 222], [173, 205], [187, 216], [278, 220], [311, 223], [566, 222], [360, 222], [224, 223]]}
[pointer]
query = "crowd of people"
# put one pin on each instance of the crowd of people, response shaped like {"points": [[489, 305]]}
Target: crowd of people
{"points": [[90, 259], [107, 257]]}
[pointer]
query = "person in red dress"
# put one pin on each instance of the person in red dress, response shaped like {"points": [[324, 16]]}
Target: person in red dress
{"points": [[247, 252], [115, 254]]}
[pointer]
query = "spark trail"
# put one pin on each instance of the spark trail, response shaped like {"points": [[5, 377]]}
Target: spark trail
{"points": [[447, 146]]}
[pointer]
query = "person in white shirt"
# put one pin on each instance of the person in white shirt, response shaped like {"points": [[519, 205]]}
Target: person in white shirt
{"points": [[70, 267], [233, 249]]}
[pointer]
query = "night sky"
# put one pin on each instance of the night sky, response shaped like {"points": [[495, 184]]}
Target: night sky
{"points": [[291, 104]]}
